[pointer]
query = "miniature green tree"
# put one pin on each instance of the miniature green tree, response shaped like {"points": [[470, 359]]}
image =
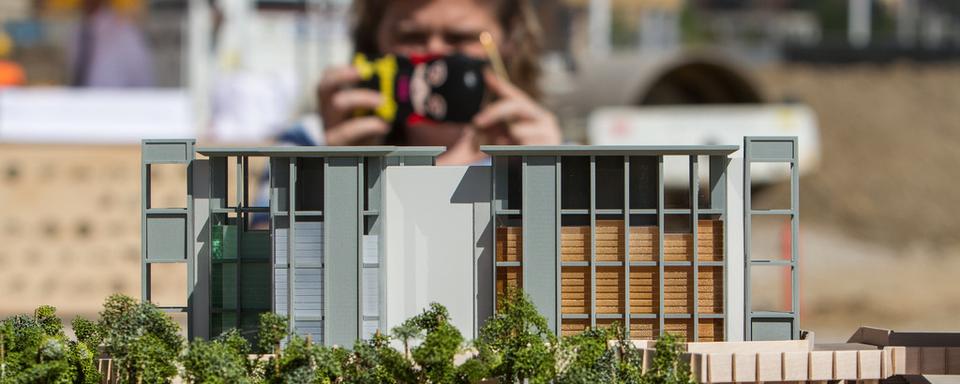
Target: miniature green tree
{"points": [[32, 356], [83, 357], [303, 361], [406, 332], [147, 359], [143, 340], [629, 362], [219, 361], [471, 371], [241, 347], [88, 333], [273, 329], [4, 340], [374, 361], [46, 317], [667, 366], [586, 357], [516, 344], [35, 350], [328, 364], [440, 345]]}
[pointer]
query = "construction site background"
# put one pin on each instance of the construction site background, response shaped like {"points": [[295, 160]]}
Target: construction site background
{"points": [[879, 242]]}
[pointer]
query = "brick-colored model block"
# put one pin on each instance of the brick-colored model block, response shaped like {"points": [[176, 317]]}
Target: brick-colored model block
{"points": [[913, 361], [869, 365], [769, 366], [719, 367], [953, 361], [933, 360], [745, 367], [821, 365], [845, 364]]}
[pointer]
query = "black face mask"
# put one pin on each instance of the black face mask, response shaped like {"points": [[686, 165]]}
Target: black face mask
{"points": [[424, 89]]}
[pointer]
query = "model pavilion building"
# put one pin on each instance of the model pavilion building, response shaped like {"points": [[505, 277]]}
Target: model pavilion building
{"points": [[351, 240]]}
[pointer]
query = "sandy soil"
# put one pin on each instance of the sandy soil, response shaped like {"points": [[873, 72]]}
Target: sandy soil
{"points": [[890, 137], [846, 283], [879, 242]]}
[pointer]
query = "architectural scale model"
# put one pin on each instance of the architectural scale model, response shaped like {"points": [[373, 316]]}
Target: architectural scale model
{"points": [[352, 240], [359, 238]]}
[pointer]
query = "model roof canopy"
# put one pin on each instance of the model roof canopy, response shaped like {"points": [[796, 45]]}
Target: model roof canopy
{"points": [[609, 150], [321, 151]]}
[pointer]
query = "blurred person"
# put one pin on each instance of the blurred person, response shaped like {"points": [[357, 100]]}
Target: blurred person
{"points": [[249, 102], [438, 27], [109, 49], [11, 73]]}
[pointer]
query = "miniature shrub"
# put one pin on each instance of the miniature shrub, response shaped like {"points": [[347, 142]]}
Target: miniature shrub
{"points": [[440, 345], [215, 362], [303, 361], [375, 361], [87, 332], [514, 346], [35, 350], [667, 367], [147, 360], [46, 318], [273, 328], [472, 371], [586, 358], [83, 358], [241, 347], [143, 340], [629, 359]]}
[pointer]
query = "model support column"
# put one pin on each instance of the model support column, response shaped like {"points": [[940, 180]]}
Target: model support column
{"points": [[729, 193], [166, 232], [342, 254], [775, 324], [540, 251], [199, 302]]}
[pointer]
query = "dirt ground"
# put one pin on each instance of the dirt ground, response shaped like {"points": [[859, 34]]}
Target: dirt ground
{"points": [[880, 241]]}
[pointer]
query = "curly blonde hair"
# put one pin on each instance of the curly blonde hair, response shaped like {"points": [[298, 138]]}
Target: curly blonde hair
{"points": [[522, 45]]}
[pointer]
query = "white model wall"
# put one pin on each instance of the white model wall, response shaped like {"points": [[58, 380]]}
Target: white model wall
{"points": [[433, 216], [437, 245], [734, 243]]}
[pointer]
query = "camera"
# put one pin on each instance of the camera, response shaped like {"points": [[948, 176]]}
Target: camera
{"points": [[424, 89]]}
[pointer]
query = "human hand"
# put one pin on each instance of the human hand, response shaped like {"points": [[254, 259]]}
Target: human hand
{"points": [[515, 118], [338, 105]]}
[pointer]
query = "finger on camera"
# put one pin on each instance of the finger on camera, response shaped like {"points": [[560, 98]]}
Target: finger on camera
{"points": [[535, 134], [335, 78], [502, 87], [349, 100], [357, 130], [504, 111]]}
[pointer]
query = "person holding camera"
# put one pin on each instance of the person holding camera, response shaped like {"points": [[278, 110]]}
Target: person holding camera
{"points": [[438, 28]]}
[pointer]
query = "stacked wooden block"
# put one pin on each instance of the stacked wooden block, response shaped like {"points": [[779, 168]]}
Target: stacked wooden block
{"points": [[509, 248], [644, 276], [644, 282]]}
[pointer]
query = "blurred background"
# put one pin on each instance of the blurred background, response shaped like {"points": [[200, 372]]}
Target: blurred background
{"points": [[871, 87]]}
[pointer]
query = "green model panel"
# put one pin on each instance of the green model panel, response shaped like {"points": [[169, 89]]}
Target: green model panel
{"points": [[240, 274]]}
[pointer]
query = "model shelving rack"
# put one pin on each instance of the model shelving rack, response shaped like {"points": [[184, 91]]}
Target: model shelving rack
{"points": [[372, 235], [589, 231]]}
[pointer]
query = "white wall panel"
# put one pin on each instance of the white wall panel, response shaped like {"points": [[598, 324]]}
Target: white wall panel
{"points": [[430, 242]]}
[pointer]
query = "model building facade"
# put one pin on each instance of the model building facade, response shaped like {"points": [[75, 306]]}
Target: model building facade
{"points": [[350, 240]]}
